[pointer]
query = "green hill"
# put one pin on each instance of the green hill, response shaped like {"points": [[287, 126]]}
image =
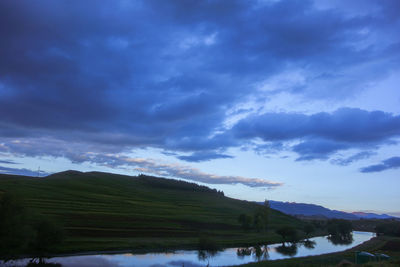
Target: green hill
{"points": [[103, 211]]}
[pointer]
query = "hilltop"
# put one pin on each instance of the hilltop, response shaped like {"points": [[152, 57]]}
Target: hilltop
{"points": [[104, 211]]}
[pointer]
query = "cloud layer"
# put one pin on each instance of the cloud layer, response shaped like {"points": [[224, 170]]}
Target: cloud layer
{"points": [[82, 77]]}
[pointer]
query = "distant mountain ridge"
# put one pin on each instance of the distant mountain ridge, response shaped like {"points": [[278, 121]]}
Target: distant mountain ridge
{"points": [[312, 210], [368, 215]]}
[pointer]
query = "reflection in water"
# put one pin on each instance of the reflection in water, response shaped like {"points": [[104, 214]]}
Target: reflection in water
{"points": [[259, 252], [42, 263], [341, 239], [309, 244], [287, 250], [180, 264], [243, 252], [206, 255]]}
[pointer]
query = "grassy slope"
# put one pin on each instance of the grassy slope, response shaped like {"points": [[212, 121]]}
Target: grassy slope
{"points": [[103, 211]]}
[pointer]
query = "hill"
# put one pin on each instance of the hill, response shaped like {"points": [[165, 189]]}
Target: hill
{"points": [[316, 211], [103, 211]]}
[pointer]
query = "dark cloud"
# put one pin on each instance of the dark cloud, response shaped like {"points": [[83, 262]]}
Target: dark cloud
{"points": [[82, 76], [322, 134], [390, 163], [350, 125], [356, 157], [204, 156], [7, 162], [318, 149]]}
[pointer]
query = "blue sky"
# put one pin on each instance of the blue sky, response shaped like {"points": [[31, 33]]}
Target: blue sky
{"points": [[284, 100]]}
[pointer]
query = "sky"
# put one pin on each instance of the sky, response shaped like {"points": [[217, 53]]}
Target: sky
{"points": [[286, 100]]}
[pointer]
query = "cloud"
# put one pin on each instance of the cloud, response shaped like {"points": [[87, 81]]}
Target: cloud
{"points": [[79, 153], [165, 74], [189, 173], [314, 136], [7, 162], [356, 157], [22, 171], [350, 125], [318, 149], [115, 160], [390, 163], [322, 134], [204, 156]]}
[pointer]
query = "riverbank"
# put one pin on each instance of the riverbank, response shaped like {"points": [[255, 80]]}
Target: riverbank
{"points": [[382, 244]]}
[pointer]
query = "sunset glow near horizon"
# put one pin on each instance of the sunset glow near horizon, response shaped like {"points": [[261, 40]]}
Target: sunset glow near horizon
{"points": [[286, 100]]}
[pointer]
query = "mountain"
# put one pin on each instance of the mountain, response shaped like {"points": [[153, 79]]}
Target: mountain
{"points": [[105, 211], [312, 210], [368, 215]]}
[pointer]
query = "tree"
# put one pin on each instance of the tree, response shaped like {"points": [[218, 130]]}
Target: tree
{"points": [[308, 229], [15, 231], [258, 222], [388, 228], [288, 234], [47, 236], [261, 216], [341, 240], [21, 232], [245, 221], [339, 227], [207, 248]]}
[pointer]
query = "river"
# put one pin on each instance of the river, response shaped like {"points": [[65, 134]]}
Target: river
{"points": [[193, 258]]}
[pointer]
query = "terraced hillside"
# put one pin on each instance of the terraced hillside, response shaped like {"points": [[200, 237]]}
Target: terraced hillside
{"points": [[103, 211]]}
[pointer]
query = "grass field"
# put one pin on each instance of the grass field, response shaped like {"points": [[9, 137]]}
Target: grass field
{"points": [[102, 211]]}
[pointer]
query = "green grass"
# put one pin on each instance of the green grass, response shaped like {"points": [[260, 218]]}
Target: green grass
{"points": [[102, 211]]}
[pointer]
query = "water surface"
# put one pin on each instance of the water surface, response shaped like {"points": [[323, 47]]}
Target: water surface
{"points": [[193, 258]]}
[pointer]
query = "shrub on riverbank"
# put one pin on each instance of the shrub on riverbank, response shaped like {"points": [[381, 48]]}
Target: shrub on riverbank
{"points": [[391, 228], [23, 232]]}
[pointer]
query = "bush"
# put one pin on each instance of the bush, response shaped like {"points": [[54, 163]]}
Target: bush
{"points": [[339, 227], [207, 244], [391, 228], [308, 229], [245, 221], [47, 235], [288, 233], [15, 230], [21, 233]]}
